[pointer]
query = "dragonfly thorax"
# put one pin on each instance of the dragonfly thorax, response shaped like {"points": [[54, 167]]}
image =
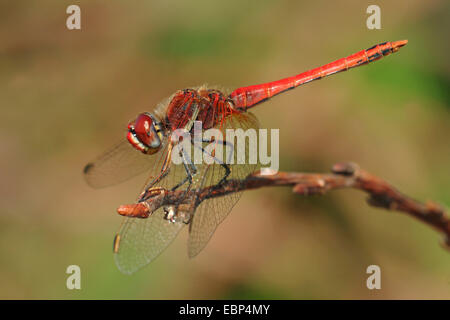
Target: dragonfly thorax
{"points": [[145, 133], [209, 106]]}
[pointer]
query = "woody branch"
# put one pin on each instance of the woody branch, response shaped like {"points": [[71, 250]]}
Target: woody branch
{"points": [[344, 175]]}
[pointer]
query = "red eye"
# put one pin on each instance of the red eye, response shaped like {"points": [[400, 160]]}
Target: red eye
{"points": [[143, 135], [143, 129]]}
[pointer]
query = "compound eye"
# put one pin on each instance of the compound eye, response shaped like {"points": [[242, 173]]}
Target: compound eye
{"points": [[143, 135], [143, 127]]}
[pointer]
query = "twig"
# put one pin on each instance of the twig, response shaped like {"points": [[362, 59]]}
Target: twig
{"points": [[344, 175]]}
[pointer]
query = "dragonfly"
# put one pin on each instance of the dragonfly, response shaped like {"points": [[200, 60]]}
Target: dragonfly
{"points": [[149, 147]]}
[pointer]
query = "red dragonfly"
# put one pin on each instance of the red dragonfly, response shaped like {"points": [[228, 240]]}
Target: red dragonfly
{"points": [[145, 233]]}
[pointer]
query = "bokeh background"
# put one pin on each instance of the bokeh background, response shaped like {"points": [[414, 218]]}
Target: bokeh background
{"points": [[65, 96]]}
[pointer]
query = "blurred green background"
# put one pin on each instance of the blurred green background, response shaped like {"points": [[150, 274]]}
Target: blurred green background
{"points": [[65, 96]]}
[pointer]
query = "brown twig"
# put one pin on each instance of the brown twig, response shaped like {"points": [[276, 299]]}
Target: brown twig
{"points": [[344, 175]]}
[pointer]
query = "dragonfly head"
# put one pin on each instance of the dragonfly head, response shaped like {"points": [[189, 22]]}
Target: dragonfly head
{"points": [[145, 133]]}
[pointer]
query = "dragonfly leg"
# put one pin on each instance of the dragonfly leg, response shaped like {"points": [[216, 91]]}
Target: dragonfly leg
{"points": [[182, 211], [227, 173], [190, 169], [223, 164], [148, 192], [164, 172]]}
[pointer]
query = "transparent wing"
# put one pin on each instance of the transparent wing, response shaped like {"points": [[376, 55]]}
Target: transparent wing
{"points": [[119, 163], [212, 212], [142, 240]]}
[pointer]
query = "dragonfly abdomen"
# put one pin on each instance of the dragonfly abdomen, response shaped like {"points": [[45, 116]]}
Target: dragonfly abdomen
{"points": [[246, 97]]}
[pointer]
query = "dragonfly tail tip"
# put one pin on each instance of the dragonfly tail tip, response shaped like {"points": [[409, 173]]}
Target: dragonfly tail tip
{"points": [[398, 44]]}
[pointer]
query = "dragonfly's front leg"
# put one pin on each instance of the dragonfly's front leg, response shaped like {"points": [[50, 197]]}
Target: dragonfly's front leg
{"points": [[190, 169], [164, 172], [181, 210]]}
